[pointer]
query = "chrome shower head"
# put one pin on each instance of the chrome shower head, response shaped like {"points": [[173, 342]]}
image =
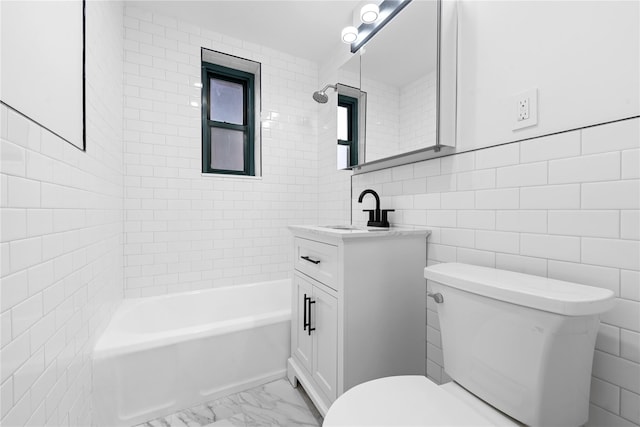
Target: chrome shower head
{"points": [[320, 96]]}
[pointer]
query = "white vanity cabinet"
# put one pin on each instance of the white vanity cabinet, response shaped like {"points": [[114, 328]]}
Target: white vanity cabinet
{"points": [[315, 343], [358, 308]]}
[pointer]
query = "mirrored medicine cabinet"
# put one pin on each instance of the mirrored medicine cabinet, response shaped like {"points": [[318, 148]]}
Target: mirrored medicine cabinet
{"points": [[403, 81]]}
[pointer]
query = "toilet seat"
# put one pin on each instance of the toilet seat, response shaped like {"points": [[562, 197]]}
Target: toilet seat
{"points": [[411, 401]]}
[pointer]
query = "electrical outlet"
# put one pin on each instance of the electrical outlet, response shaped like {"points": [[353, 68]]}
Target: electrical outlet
{"points": [[523, 109], [526, 109]]}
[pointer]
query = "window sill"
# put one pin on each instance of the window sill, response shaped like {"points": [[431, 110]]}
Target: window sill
{"points": [[229, 177]]}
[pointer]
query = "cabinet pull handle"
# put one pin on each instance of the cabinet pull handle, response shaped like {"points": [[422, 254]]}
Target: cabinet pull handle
{"points": [[306, 258], [304, 318], [310, 328]]}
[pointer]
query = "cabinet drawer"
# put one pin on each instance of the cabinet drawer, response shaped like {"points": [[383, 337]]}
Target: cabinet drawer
{"points": [[317, 260]]}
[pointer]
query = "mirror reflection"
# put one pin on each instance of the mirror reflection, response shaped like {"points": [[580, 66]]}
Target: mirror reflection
{"points": [[351, 113], [347, 131], [401, 88]]}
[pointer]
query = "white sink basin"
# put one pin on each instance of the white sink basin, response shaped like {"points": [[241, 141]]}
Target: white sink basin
{"points": [[354, 228], [343, 227]]}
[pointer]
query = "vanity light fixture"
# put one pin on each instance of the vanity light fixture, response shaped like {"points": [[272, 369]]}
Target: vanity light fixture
{"points": [[369, 13], [349, 34], [387, 10]]}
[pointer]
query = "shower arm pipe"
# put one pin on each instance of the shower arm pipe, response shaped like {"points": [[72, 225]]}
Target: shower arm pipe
{"points": [[334, 87]]}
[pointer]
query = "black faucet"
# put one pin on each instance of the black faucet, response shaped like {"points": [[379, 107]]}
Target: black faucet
{"points": [[377, 217]]}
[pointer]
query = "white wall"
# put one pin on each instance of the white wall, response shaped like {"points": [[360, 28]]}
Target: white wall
{"points": [[186, 231], [564, 206], [582, 56], [61, 243]]}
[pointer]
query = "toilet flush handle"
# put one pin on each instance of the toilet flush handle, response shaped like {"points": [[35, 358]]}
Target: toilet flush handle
{"points": [[438, 298]]}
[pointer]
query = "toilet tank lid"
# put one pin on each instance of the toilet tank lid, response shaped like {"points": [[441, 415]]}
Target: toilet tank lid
{"points": [[556, 296]]}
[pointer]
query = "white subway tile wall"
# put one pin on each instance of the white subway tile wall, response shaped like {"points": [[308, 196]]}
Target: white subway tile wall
{"points": [[383, 119], [186, 231], [564, 206], [417, 101], [61, 243]]}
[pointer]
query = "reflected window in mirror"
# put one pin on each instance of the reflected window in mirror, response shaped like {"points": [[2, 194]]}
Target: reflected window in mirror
{"points": [[347, 149]]}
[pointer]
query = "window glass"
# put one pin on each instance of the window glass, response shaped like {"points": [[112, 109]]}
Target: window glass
{"points": [[343, 157], [226, 101], [343, 123], [227, 149]]}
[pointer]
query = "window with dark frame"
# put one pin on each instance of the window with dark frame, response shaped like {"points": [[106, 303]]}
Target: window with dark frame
{"points": [[228, 120], [347, 132]]}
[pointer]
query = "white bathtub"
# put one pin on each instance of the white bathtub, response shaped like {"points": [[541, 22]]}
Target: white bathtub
{"points": [[166, 353]]}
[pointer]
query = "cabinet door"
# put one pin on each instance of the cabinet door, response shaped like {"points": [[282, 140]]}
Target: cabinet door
{"points": [[301, 341], [324, 318]]}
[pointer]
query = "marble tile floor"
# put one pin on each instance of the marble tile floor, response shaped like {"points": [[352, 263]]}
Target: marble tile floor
{"points": [[273, 404]]}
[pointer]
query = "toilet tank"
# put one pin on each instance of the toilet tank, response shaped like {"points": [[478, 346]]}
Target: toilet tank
{"points": [[522, 343]]}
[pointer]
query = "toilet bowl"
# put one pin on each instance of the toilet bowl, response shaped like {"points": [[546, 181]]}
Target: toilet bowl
{"points": [[519, 349], [412, 401]]}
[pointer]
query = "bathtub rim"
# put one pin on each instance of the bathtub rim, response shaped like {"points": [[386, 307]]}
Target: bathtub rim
{"points": [[131, 301], [105, 346]]}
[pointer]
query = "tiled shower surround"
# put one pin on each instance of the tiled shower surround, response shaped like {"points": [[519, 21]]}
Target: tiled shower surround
{"points": [[185, 230], [564, 206]]}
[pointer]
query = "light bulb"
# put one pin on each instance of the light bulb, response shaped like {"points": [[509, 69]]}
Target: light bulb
{"points": [[369, 13], [349, 34]]}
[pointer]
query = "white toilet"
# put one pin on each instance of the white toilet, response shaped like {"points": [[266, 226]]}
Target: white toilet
{"points": [[519, 349]]}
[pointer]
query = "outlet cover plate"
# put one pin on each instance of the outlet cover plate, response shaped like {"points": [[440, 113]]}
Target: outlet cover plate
{"points": [[525, 109]]}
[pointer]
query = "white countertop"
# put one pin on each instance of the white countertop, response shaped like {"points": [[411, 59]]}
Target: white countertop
{"points": [[330, 230]]}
